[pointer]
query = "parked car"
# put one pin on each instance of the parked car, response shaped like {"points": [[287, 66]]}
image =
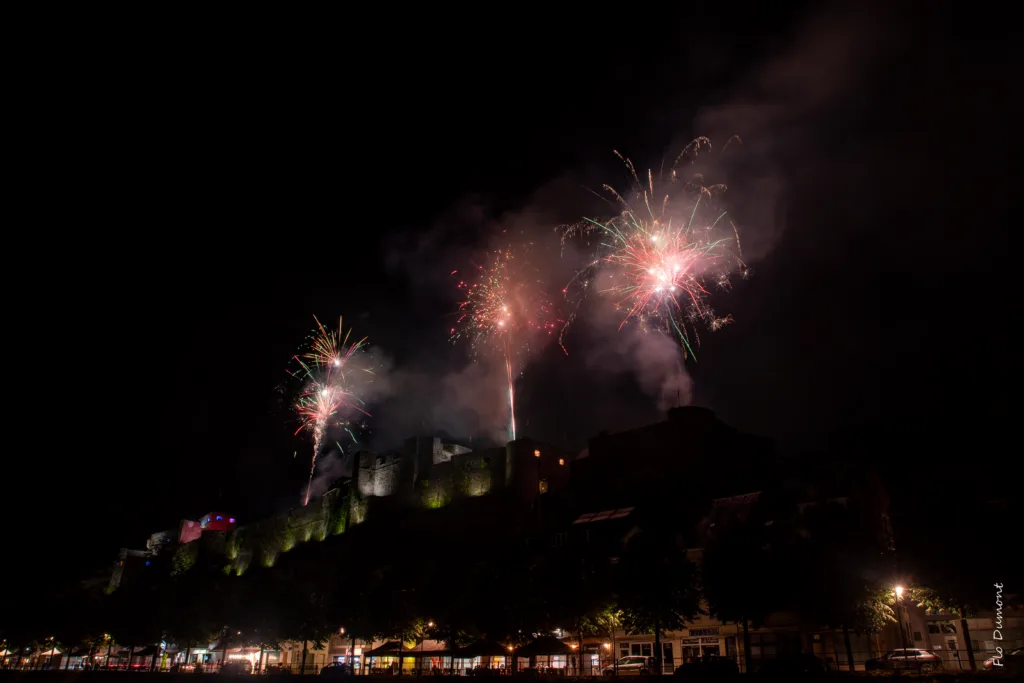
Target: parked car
{"points": [[630, 666], [909, 659], [336, 670], [237, 667], [1011, 662], [277, 670]]}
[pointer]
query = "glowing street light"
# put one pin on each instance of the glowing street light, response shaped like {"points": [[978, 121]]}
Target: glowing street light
{"points": [[898, 592]]}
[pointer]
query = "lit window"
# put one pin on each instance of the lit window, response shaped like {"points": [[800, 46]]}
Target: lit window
{"points": [[536, 454], [219, 518], [543, 486], [561, 461], [231, 520]]}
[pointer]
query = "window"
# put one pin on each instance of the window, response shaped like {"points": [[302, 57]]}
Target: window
{"points": [[933, 628], [762, 645], [536, 454], [543, 486], [561, 461], [640, 649], [917, 636]]}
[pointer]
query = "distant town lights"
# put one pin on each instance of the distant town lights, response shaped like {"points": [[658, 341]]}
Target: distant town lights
{"points": [[536, 454], [561, 461]]}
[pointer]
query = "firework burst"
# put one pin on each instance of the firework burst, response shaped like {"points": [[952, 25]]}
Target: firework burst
{"points": [[660, 256], [504, 306], [330, 375]]}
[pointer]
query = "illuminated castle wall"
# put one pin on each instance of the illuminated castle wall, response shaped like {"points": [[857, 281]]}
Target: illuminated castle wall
{"points": [[426, 474], [434, 473]]}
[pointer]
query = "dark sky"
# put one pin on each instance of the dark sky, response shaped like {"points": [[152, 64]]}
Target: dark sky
{"points": [[192, 200]]}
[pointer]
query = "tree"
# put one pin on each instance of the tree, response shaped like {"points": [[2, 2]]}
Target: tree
{"points": [[576, 582], [656, 587], [737, 576], [194, 606], [835, 544]]}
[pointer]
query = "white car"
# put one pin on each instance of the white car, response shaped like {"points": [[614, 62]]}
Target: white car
{"points": [[629, 666]]}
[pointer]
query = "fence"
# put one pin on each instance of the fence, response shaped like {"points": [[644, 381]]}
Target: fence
{"points": [[824, 660]]}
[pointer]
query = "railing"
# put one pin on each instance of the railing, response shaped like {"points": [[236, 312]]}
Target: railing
{"points": [[949, 661]]}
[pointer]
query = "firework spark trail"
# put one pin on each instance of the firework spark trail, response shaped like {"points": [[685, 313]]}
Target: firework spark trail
{"points": [[506, 299], [326, 387], [659, 255], [511, 386]]}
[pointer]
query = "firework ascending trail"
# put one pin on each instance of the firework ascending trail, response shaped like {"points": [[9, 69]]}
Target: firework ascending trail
{"points": [[503, 309], [331, 377], [660, 255]]}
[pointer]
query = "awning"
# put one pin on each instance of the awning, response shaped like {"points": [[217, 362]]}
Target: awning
{"points": [[481, 648], [50, 653], [545, 645], [392, 647]]}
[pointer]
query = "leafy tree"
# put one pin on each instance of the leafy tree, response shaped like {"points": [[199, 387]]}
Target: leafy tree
{"points": [[656, 587], [838, 546], [737, 576], [576, 582]]}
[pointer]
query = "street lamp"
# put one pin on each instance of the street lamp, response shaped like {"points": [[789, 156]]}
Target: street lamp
{"points": [[899, 619], [423, 644]]}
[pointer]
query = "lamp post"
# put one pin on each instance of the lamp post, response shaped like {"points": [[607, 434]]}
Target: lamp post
{"points": [[423, 642], [899, 618]]}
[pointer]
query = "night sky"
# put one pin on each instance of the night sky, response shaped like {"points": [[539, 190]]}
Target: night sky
{"points": [[191, 204]]}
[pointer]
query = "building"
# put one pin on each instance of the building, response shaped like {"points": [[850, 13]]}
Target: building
{"points": [[690, 471]]}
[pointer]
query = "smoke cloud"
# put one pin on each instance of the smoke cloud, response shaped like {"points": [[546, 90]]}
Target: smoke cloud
{"points": [[330, 467], [785, 109]]}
